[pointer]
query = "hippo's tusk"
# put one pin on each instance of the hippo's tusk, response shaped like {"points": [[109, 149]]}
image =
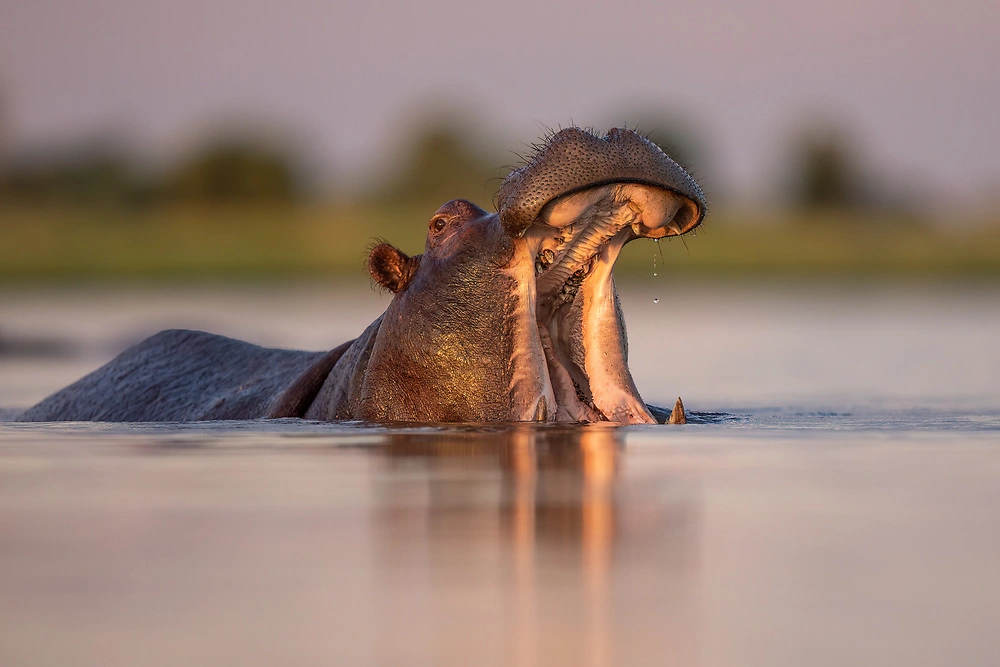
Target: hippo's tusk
{"points": [[677, 415], [541, 411]]}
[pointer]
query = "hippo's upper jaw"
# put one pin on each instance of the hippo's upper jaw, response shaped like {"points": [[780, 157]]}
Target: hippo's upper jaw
{"points": [[573, 159], [574, 207]]}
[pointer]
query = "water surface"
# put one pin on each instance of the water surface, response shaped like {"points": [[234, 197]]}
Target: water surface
{"points": [[834, 500]]}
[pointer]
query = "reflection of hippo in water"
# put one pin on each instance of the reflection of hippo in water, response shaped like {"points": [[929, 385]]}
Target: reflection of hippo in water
{"points": [[511, 316]]}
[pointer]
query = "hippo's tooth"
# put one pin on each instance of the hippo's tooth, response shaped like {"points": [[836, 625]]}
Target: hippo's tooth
{"points": [[677, 415], [674, 227], [541, 411]]}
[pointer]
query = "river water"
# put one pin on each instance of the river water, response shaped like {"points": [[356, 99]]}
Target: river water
{"points": [[834, 500]]}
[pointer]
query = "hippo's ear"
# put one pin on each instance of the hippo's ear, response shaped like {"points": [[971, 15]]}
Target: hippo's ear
{"points": [[390, 268]]}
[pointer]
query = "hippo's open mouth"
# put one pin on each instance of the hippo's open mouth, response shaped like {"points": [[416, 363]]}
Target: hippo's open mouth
{"points": [[575, 242], [578, 230], [575, 221]]}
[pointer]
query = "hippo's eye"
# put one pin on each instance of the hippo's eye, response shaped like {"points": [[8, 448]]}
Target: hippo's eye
{"points": [[437, 224]]}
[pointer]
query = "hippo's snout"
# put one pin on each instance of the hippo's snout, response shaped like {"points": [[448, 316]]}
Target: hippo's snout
{"points": [[573, 160]]}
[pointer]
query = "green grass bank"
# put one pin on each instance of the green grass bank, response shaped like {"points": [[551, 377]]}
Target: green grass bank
{"points": [[54, 244]]}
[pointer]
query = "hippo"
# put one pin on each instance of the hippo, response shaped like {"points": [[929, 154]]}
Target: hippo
{"points": [[508, 316]]}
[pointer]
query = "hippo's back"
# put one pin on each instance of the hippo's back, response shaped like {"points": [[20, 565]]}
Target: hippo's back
{"points": [[179, 375]]}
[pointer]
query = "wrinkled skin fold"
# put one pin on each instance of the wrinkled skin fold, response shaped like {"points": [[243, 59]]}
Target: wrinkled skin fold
{"points": [[507, 316]]}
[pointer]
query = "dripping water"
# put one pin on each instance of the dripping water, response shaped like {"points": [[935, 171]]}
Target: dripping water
{"points": [[660, 250]]}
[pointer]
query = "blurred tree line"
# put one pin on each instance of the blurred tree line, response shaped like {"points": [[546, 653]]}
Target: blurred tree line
{"points": [[223, 171], [439, 158], [826, 170]]}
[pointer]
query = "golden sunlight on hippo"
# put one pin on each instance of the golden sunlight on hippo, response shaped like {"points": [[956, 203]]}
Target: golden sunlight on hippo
{"points": [[506, 316]]}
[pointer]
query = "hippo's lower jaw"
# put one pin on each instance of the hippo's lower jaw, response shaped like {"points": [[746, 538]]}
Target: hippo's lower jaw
{"points": [[574, 243]]}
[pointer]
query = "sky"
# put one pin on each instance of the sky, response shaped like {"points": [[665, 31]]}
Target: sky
{"points": [[916, 83]]}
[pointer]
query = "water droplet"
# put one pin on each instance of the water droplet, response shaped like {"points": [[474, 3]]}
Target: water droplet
{"points": [[656, 300], [654, 274]]}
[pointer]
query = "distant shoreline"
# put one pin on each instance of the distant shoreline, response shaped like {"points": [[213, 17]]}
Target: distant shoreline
{"points": [[63, 244]]}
